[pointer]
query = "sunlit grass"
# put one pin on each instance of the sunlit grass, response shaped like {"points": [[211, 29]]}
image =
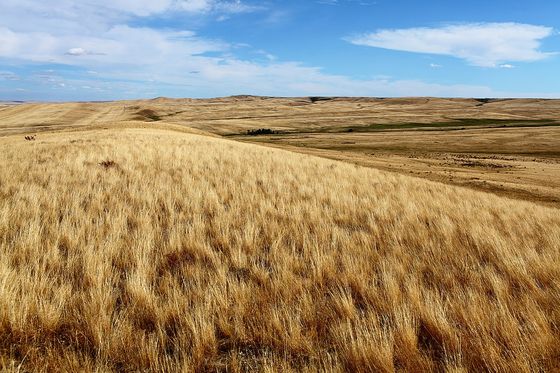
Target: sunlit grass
{"points": [[139, 249]]}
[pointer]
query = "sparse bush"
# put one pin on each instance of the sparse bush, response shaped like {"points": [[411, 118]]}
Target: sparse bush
{"points": [[315, 99], [108, 164], [261, 131]]}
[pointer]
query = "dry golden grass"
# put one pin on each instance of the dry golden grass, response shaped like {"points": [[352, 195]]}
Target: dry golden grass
{"points": [[139, 249], [527, 152], [236, 115], [521, 163]]}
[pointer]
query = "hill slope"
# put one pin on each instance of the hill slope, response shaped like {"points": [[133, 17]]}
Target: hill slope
{"points": [[509, 147], [144, 249], [236, 115]]}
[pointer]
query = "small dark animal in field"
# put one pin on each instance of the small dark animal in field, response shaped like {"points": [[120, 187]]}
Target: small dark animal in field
{"points": [[108, 164], [30, 138]]}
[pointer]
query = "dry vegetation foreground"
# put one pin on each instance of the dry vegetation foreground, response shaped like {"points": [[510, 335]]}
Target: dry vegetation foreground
{"points": [[139, 249]]}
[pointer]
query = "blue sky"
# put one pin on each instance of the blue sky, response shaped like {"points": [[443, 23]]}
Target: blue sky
{"points": [[122, 49]]}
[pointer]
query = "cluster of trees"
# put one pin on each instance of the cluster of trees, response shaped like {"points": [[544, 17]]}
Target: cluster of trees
{"points": [[261, 131]]}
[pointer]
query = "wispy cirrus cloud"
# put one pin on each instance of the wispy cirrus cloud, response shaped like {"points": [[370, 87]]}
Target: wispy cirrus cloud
{"points": [[8, 75], [99, 13], [480, 44]]}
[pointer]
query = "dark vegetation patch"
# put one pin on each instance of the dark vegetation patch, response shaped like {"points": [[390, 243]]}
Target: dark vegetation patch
{"points": [[148, 115], [459, 124], [456, 124], [315, 99], [262, 131], [473, 163], [108, 164], [452, 125], [484, 101], [30, 138]]}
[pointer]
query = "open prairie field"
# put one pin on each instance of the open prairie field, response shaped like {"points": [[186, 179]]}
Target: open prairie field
{"points": [[136, 240], [235, 115], [139, 249], [505, 146], [521, 163]]}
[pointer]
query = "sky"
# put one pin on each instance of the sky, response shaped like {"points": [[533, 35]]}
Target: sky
{"points": [[65, 50]]}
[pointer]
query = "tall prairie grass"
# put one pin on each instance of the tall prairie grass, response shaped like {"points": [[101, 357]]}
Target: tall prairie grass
{"points": [[138, 249]]}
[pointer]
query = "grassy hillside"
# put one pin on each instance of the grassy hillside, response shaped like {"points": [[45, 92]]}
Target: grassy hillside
{"points": [[144, 249], [509, 147], [236, 115]]}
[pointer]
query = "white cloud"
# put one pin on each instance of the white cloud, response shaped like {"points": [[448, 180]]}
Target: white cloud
{"points": [[117, 58], [507, 66], [480, 44], [120, 44], [234, 7], [97, 14], [137, 7], [195, 5], [77, 52], [435, 66]]}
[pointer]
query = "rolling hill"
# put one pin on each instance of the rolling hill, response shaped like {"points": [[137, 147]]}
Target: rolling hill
{"points": [[146, 245]]}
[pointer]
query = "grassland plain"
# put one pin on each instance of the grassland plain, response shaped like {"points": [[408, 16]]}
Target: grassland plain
{"points": [[236, 115], [521, 163], [505, 146], [151, 249]]}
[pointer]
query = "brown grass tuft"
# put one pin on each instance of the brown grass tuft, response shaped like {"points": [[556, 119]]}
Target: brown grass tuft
{"points": [[108, 164]]}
